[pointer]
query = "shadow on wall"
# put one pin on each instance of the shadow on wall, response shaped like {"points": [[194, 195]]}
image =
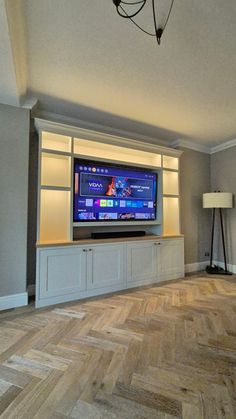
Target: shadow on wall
{"points": [[228, 229], [203, 231], [32, 206], [110, 123]]}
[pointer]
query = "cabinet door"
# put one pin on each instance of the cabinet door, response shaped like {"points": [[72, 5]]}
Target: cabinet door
{"points": [[105, 266], [62, 271], [141, 262], [170, 259]]}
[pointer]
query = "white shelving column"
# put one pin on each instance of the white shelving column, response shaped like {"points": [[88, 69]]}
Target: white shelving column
{"points": [[55, 187], [171, 214]]}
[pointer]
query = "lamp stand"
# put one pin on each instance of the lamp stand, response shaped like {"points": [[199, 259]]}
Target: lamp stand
{"points": [[213, 269]]}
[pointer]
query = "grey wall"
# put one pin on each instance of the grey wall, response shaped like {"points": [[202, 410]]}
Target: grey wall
{"points": [[14, 153], [195, 221], [223, 178]]}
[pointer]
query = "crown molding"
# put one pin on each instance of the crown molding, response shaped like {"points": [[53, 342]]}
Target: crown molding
{"points": [[108, 130], [223, 146], [191, 145], [202, 148], [79, 129], [50, 120]]}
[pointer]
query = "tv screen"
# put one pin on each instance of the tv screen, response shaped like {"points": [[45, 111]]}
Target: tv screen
{"points": [[111, 193]]}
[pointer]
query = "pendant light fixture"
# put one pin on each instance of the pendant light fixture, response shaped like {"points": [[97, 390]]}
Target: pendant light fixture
{"points": [[122, 8]]}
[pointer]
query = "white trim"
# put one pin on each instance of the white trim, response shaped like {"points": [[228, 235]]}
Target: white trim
{"points": [[31, 290], [13, 300], [191, 145], [201, 266], [230, 267], [79, 295], [223, 146], [195, 267], [202, 148], [79, 129], [53, 120], [30, 103]]}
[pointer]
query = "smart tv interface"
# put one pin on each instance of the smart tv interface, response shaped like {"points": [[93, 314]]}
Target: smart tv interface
{"points": [[107, 192]]}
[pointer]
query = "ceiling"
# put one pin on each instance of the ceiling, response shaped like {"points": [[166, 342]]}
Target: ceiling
{"points": [[80, 59]]}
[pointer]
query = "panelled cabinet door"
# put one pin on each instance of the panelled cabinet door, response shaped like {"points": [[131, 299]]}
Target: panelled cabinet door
{"points": [[62, 271], [141, 262], [170, 258], [105, 266]]}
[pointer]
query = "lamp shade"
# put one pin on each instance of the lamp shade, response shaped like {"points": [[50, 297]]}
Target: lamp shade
{"points": [[218, 200]]}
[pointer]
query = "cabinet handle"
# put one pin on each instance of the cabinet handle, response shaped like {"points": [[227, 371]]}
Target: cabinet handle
{"points": [[90, 250], [159, 244], [84, 250]]}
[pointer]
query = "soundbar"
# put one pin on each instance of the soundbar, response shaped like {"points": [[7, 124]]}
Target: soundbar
{"points": [[117, 234]]}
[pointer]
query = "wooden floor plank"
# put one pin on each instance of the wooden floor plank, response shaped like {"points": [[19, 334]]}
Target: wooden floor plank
{"points": [[163, 352]]}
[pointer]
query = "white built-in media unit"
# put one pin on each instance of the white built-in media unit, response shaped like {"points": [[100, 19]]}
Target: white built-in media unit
{"points": [[70, 264]]}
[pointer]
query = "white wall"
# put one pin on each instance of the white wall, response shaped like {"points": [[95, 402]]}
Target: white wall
{"points": [[14, 155]]}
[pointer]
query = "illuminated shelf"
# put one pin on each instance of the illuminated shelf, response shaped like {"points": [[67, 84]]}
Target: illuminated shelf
{"points": [[55, 170], [55, 188], [171, 215], [170, 162], [56, 142], [54, 215], [170, 183], [103, 151]]}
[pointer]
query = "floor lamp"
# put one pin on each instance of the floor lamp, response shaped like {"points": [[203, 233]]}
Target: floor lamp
{"points": [[218, 200]]}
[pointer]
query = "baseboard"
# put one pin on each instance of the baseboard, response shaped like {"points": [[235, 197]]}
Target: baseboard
{"points": [[13, 301], [201, 266], [31, 290], [195, 267], [230, 267]]}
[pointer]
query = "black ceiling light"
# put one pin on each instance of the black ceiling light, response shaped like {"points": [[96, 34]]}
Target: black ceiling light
{"points": [[121, 8]]}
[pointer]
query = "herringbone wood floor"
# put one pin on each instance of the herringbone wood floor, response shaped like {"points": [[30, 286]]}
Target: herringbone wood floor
{"points": [[160, 352]]}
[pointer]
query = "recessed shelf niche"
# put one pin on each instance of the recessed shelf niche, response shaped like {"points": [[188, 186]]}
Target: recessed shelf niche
{"points": [[170, 162], [51, 141], [170, 183], [55, 170], [117, 154], [54, 215], [171, 224]]}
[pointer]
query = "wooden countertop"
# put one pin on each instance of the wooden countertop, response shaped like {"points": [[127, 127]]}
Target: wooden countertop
{"points": [[103, 241]]}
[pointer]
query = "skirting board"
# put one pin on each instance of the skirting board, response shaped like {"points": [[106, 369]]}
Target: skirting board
{"points": [[201, 266], [195, 267], [230, 267], [13, 301]]}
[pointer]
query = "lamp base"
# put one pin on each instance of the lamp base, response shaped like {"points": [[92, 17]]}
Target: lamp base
{"points": [[216, 270]]}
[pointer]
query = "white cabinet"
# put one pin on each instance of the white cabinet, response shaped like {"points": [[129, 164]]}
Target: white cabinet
{"points": [[154, 261], [141, 262], [105, 266], [61, 271], [170, 259], [70, 273], [66, 273]]}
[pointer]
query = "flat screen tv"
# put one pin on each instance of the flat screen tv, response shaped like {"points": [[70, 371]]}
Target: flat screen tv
{"points": [[110, 193]]}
